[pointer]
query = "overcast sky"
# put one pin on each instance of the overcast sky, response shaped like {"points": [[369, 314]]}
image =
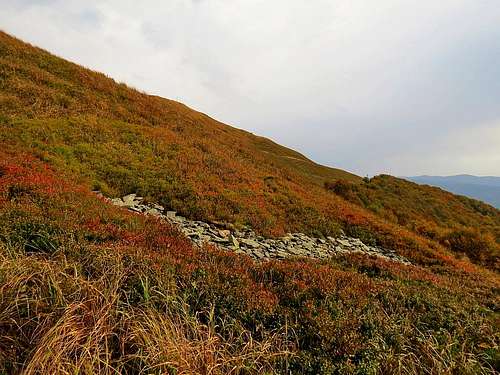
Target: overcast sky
{"points": [[404, 87]]}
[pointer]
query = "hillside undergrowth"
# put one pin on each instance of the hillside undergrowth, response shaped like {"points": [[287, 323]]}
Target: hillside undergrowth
{"points": [[463, 225], [88, 288]]}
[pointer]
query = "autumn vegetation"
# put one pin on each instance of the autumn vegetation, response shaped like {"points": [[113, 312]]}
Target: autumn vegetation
{"points": [[465, 226], [90, 288]]}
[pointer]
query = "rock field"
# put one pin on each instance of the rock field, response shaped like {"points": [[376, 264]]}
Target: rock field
{"points": [[248, 242]]}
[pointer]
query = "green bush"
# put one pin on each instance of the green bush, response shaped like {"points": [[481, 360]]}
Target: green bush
{"points": [[36, 237]]}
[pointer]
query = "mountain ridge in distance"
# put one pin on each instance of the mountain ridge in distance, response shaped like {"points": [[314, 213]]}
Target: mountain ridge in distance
{"points": [[483, 188]]}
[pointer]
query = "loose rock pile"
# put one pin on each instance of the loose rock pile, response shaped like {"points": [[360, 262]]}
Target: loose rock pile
{"points": [[248, 242]]}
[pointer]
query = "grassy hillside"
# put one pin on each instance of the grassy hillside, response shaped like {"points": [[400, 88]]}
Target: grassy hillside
{"points": [[119, 140], [88, 288]]}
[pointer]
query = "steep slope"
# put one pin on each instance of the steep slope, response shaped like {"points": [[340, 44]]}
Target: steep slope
{"points": [[124, 140], [119, 141]]}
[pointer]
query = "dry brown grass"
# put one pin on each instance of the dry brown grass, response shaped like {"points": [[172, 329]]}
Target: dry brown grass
{"points": [[78, 326], [176, 340]]}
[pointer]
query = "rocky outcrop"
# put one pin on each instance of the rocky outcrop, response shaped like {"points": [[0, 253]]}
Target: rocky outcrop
{"points": [[246, 241]]}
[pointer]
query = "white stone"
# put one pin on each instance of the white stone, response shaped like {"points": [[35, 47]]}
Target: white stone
{"points": [[129, 199]]}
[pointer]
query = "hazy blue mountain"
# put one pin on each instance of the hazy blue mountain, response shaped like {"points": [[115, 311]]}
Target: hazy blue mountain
{"points": [[484, 188]]}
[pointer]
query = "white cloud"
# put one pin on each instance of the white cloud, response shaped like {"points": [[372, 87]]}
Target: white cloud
{"points": [[370, 86]]}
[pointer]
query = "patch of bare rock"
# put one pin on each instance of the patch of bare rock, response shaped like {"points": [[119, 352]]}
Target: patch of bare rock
{"points": [[246, 241]]}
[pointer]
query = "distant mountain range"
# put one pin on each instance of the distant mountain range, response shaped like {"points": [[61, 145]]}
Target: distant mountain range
{"points": [[484, 188]]}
